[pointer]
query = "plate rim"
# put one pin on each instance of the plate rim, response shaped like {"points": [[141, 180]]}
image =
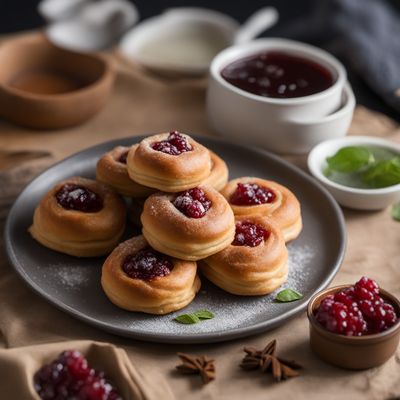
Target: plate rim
{"points": [[191, 338]]}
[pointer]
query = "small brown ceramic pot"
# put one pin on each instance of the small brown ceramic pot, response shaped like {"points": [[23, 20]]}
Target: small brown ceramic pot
{"points": [[46, 87], [352, 352]]}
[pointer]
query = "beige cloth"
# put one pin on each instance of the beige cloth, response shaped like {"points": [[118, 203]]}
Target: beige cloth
{"points": [[142, 103], [18, 365]]}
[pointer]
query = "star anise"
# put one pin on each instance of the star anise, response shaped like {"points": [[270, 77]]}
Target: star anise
{"points": [[267, 361], [201, 365]]}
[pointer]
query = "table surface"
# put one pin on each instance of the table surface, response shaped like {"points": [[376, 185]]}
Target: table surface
{"points": [[142, 103]]}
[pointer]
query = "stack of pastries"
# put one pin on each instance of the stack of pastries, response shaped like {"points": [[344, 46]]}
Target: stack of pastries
{"points": [[191, 219]]}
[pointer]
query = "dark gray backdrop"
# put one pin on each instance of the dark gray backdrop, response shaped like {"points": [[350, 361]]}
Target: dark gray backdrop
{"points": [[18, 15]]}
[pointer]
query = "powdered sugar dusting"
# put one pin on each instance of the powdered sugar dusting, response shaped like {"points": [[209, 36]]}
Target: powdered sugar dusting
{"points": [[232, 311], [71, 277]]}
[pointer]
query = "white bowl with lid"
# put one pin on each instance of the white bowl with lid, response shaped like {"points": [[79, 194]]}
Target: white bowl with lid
{"points": [[356, 198], [284, 125]]}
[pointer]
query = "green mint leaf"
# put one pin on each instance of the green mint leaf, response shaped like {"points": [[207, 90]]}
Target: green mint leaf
{"points": [[350, 159], [187, 319], [396, 211], [287, 295], [383, 173], [195, 317], [204, 314]]}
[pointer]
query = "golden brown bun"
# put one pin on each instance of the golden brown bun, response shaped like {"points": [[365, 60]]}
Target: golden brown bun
{"points": [[284, 211], [160, 295], [171, 232], [219, 172], [250, 271], [114, 173], [79, 233], [167, 172]]}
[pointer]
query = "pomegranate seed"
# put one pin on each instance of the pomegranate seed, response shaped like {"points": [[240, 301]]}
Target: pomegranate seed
{"points": [[252, 194], [174, 145], [357, 310]]}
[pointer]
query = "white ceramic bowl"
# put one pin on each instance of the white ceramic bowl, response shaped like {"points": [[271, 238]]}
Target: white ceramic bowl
{"points": [[361, 199], [292, 125], [184, 40]]}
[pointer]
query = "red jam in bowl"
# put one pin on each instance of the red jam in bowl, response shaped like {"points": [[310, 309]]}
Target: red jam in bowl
{"points": [[249, 234], [193, 203], [278, 74], [250, 194], [79, 198], [357, 310], [70, 376], [147, 264]]}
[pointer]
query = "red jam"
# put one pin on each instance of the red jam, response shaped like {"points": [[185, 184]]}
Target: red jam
{"points": [[147, 264], [249, 194], [278, 74], [122, 158], [174, 145], [249, 234], [193, 203], [356, 311], [70, 376], [79, 198]]}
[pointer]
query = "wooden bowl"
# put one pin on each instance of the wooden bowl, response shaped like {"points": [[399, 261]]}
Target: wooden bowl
{"points": [[353, 352], [46, 87]]}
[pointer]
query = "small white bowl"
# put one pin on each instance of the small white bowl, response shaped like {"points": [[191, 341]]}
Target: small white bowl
{"points": [[87, 25], [184, 40], [360, 199], [292, 125]]}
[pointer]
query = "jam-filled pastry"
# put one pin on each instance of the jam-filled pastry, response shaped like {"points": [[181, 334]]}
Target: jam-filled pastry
{"points": [[255, 263], [189, 225], [254, 196], [170, 162], [111, 169], [218, 177], [136, 277], [80, 217]]}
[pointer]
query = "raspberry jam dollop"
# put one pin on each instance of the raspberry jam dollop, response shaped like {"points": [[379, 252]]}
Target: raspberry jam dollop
{"points": [[79, 198], [249, 234], [174, 145], [147, 264], [122, 158], [193, 203], [249, 194], [357, 310], [70, 376]]}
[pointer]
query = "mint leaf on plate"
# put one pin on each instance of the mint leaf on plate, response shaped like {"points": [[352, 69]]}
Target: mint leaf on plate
{"points": [[287, 295], [195, 317], [204, 314], [350, 159], [396, 212], [187, 319]]}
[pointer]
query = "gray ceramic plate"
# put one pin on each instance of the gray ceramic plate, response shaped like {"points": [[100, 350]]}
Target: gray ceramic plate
{"points": [[73, 284]]}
